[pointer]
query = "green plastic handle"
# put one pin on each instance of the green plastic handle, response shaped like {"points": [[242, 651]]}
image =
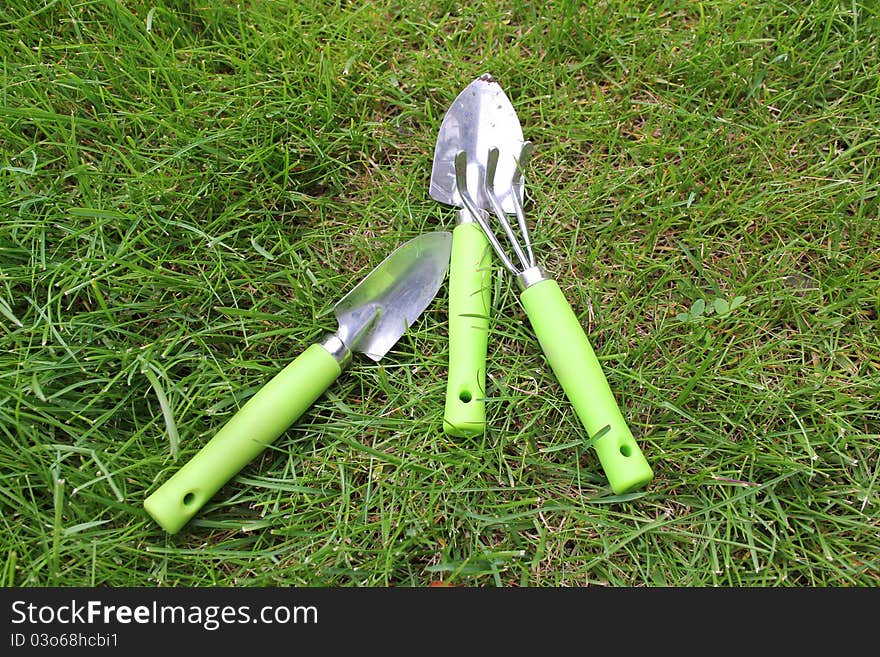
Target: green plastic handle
{"points": [[470, 287], [260, 421], [578, 370]]}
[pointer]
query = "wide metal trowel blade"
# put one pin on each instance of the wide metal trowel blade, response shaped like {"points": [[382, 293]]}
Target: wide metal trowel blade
{"points": [[379, 309], [480, 118]]}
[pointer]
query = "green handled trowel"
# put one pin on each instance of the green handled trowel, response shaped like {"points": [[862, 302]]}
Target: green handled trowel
{"points": [[480, 118], [372, 317]]}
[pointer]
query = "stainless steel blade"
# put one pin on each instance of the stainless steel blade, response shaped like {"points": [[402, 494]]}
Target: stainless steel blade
{"points": [[379, 309], [480, 118]]}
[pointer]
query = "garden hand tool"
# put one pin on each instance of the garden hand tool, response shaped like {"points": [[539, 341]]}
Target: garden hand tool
{"points": [[371, 317], [480, 118], [559, 332]]}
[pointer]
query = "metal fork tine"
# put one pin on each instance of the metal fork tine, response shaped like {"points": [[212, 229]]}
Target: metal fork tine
{"points": [[491, 166], [478, 214], [517, 189]]}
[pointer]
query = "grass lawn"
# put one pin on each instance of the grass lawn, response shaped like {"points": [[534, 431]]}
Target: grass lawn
{"points": [[188, 187]]}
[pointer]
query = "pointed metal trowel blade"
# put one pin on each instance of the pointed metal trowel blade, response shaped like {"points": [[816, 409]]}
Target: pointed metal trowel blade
{"points": [[379, 309], [480, 118]]}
